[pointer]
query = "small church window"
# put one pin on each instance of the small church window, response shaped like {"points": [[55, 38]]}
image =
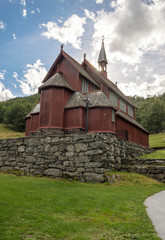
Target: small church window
{"points": [[113, 115], [84, 85], [122, 105], [94, 88], [113, 99], [130, 111]]}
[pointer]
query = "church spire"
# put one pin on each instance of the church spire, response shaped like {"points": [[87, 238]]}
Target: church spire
{"points": [[102, 60]]}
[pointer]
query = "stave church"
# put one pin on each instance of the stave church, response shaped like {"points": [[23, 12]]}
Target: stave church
{"points": [[78, 97]]}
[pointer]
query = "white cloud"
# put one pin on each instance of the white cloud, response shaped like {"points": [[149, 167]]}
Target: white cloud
{"points": [[15, 75], [2, 74], [24, 12], [33, 76], [89, 14], [125, 72], [23, 3], [32, 12], [132, 29], [113, 4], [14, 36], [38, 10], [12, 1], [144, 89], [70, 32], [99, 1], [2, 25], [5, 94]]}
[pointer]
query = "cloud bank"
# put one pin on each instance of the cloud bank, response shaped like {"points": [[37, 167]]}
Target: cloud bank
{"points": [[70, 32], [33, 76], [132, 29]]}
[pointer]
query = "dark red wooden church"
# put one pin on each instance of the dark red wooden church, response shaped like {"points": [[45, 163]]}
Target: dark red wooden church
{"points": [[62, 106]]}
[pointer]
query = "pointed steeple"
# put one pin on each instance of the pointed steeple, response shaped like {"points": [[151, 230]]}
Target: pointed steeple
{"points": [[102, 60]]}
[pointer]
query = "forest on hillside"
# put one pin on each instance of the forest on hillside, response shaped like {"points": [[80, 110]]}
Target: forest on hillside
{"points": [[14, 111], [150, 113]]}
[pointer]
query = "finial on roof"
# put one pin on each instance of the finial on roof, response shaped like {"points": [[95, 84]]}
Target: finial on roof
{"points": [[84, 56], [62, 46], [103, 39]]}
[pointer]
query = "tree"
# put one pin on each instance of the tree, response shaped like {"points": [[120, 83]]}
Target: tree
{"points": [[15, 116]]}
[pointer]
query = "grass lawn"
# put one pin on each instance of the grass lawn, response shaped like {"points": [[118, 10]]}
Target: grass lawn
{"points": [[157, 140], [159, 154], [46, 209], [7, 132]]}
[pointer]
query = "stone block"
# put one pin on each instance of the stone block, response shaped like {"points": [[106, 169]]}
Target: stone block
{"points": [[6, 168], [62, 167], [52, 172], [80, 147], [69, 154], [80, 169], [47, 148], [82, 159], [71, 169], [21, 149], [93, 152], [30, 159], [70, 148], [99, 170], [54, 148], [93, 177]]}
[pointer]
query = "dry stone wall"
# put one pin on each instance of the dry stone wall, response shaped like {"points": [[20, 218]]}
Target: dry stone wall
{"points": [[85, 157], [153, 168]]}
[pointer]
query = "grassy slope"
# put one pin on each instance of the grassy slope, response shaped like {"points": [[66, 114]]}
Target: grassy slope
{"points": [[157, 140], [45, 209], [7, 132], [159, 154]]}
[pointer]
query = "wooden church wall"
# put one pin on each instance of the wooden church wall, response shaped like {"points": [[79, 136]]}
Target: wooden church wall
{"points": [[34, 122], [53, 101], [28, 126], [45, 107], [130, 132], [70, 73], [75, 118], [100, 119], [60, 97]]}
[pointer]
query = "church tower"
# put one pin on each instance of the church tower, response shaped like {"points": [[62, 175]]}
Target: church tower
{"points": [[102, 60]]}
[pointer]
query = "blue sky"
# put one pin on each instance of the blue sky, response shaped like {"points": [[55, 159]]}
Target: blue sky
{"points": [[31, 32]]}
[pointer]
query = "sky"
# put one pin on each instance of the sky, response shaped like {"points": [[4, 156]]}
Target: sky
{"points": [[32, 31]]}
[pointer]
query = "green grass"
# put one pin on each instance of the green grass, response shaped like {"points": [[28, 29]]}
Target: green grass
{"points": [[159, 154], [157, 140], [46, 209], [7, 132]]}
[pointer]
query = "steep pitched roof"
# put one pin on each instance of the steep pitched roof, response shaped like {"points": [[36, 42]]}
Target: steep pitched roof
{"points": [[80, 68], [56, 80], [97, 98], [108, 83], [102, 55], [35, 110], [74, 63]]}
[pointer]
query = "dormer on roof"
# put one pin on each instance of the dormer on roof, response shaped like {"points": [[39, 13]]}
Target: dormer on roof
{"points": [[102, 60]]}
